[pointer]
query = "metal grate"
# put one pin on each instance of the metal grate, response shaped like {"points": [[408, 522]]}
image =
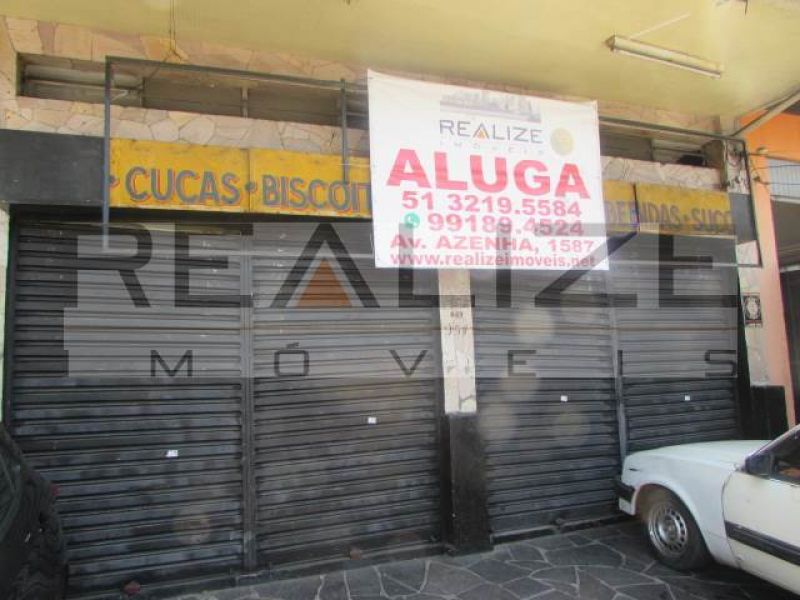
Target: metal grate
{"points": [[190, 88], [784, 178]]}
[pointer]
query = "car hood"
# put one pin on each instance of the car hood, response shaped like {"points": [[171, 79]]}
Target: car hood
{"points": [[729, 453]]}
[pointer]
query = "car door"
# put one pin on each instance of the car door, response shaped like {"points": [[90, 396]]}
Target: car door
{"points": [[761, 505]]}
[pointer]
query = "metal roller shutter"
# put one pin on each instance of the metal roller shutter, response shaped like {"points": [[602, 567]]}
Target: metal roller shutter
{"points": [[346, 456], [550, 428], [674, 391], [155, 480], [149, 468]]}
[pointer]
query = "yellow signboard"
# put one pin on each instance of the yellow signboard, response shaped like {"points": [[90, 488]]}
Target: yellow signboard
{"points": [[681, 211], [620, 201], [308, 184], [178, 176], [212, 178]]}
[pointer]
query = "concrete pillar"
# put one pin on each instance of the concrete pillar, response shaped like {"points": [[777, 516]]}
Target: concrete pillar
{"points": [[458, 342], [465, 499], [758, 271]]}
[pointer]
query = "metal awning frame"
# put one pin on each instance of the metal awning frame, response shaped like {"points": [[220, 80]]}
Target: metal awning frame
{"points": [[345, 90]]}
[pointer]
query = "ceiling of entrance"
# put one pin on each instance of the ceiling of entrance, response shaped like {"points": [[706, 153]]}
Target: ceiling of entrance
{"points": [[549, 45]]}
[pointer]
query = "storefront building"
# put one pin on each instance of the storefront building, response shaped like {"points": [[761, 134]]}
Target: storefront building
{"points": [[225, 386]]}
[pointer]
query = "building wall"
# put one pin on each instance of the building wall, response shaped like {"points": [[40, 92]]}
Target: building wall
{"points": [[779, 137], [69, 41]]}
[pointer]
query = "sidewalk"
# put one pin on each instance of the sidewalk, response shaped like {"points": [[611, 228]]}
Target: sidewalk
{"points": [[607, 563]]}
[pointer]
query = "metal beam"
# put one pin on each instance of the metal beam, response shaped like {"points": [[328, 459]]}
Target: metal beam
{"points": [[776, 109], [234, 73], [109, 73], [345, 144], [355, 88], [656, 128]]}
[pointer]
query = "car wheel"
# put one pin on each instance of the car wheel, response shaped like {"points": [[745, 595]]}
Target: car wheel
{"points": [[672, 532], [36, 585], [44, 576]]}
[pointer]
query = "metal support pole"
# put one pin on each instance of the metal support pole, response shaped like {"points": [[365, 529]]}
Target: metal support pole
{"points": [[345, 148], [249, 491], [774, 111], [617, 362], [109, 72]]}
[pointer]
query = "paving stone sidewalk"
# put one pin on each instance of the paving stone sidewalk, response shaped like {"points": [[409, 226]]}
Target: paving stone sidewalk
{"points": [[606, 563]]}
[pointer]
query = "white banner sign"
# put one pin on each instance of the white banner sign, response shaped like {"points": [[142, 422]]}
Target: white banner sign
{"points": [[465, 178]]}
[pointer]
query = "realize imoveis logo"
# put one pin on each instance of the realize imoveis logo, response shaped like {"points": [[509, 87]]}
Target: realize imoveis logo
{"points": [[324, 288], [176, 301], [499, 117]]}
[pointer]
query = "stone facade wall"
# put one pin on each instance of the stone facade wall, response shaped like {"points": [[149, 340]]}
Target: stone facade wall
{"points": [[70, 41], [79, 118], [625, 169]]}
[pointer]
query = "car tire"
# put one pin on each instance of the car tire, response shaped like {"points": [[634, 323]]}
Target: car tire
{"points": [[672, 533], [44, 576], [36, 585]]}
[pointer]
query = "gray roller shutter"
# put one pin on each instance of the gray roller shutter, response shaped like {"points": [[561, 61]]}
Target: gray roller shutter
{"points": [[346, 456], [546, 401], [149, 467], [151, 451], [678, 344]]}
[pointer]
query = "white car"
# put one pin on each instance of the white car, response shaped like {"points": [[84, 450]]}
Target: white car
{"points": [[736, 502]]}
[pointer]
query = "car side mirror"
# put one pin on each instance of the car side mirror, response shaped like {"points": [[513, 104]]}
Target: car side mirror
{"points": [[760, 465]]}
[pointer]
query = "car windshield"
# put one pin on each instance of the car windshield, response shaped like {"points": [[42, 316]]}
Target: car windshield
{"points": [[787, 457]]}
